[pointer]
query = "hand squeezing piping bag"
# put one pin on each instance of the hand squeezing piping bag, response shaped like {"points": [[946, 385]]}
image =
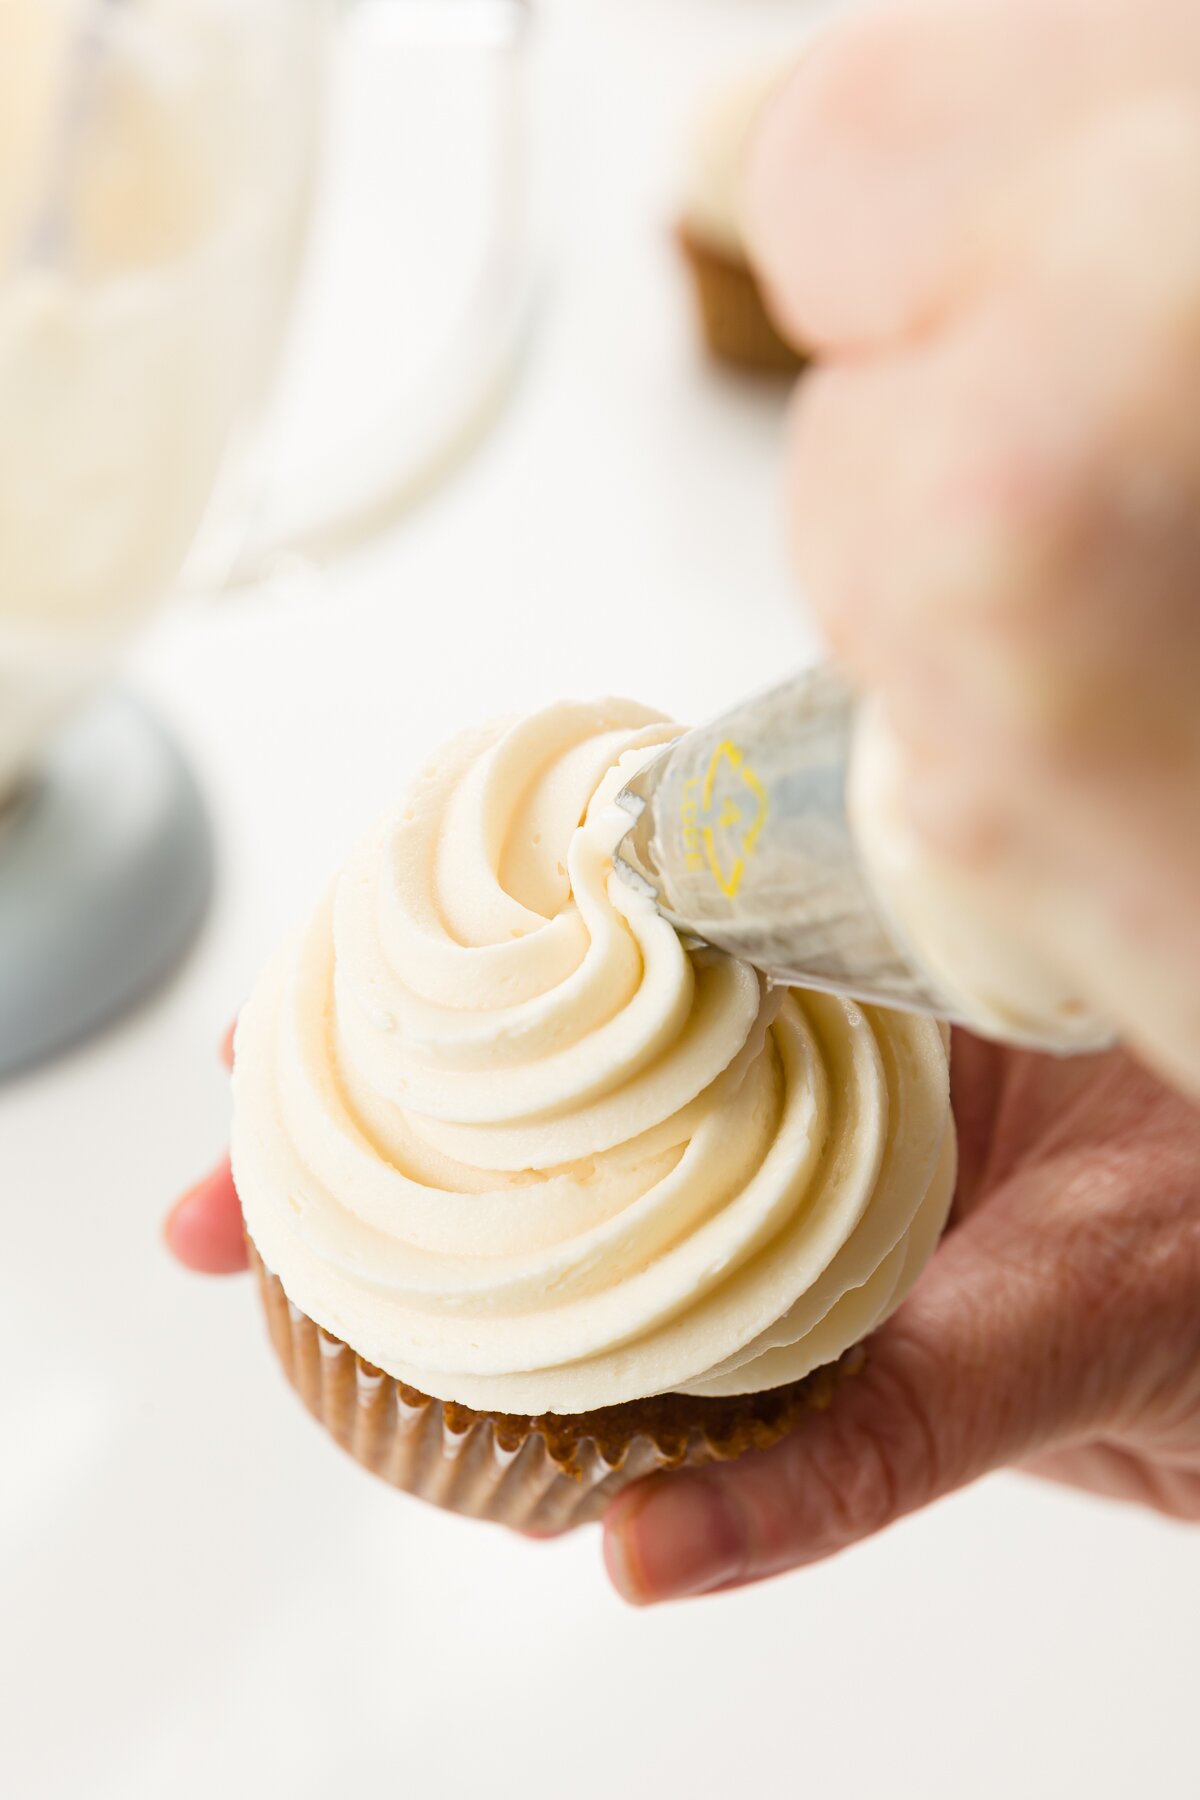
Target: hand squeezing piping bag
{"points": [[742, 834]]}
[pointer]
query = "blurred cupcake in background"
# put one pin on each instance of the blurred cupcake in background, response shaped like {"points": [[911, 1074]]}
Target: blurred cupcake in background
{"points": [[147, 265], [736, 326]]}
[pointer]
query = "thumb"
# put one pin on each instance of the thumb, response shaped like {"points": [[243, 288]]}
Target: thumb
{"points": [[993, 1357]]}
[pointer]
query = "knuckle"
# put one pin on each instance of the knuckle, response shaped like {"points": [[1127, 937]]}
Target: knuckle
{"points": [[873, 1469], [909, 1443], [1078, 574]]}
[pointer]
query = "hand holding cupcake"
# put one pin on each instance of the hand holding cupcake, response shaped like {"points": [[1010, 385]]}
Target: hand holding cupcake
{"points": [[535, 1186]]}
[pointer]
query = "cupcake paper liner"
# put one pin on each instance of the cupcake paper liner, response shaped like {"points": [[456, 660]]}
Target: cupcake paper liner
{"points": [[544, 1475], [737, 326]]}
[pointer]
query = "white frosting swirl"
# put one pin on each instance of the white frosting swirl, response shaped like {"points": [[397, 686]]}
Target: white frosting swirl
{"points": [[496, 1128]]}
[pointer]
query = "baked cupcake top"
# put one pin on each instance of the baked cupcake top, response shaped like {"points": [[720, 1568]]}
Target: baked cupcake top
{"points": [[500, 1131], [720, 137]]}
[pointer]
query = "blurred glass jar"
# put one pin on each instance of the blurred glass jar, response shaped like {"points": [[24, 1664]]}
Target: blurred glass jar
{"points": [[153, 180], [157, 163]]}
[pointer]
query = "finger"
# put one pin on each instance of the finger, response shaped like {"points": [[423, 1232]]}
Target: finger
{"points": [[928, 496], [877, 175], [1011, 1342], [227, 1045], [976, 1090], [1116, 1474], [998, 524], [204, 1229]]}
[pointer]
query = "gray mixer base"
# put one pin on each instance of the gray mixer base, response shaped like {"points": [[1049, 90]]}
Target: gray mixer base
{"points": [[105, 875]]}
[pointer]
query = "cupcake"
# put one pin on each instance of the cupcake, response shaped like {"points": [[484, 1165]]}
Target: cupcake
{"points": [[541, 1199], [734, 319]]}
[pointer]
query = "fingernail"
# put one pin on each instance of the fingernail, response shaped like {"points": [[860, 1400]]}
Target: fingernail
{"points": [[676, 1538], [180, 1209], [204, 1230]]}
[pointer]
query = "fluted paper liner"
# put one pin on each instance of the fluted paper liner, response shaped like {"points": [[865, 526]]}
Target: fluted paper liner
{"points": [[543, 1475], [737, 326]]}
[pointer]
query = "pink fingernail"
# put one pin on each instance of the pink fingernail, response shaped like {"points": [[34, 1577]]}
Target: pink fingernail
{"points": [[680, 1538], [182, 1207]]}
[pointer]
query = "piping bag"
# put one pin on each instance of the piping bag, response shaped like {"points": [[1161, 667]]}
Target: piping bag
{"points": [[742, 834]]}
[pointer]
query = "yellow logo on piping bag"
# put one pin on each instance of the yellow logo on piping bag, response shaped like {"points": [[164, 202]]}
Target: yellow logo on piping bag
{"points": [[722, 817]]}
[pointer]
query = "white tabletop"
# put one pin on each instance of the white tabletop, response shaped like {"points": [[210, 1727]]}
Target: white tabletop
{"points": [[201, 1596]]}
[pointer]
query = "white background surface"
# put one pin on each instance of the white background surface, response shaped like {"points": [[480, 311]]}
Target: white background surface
{"points": [[200, 1596]]}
